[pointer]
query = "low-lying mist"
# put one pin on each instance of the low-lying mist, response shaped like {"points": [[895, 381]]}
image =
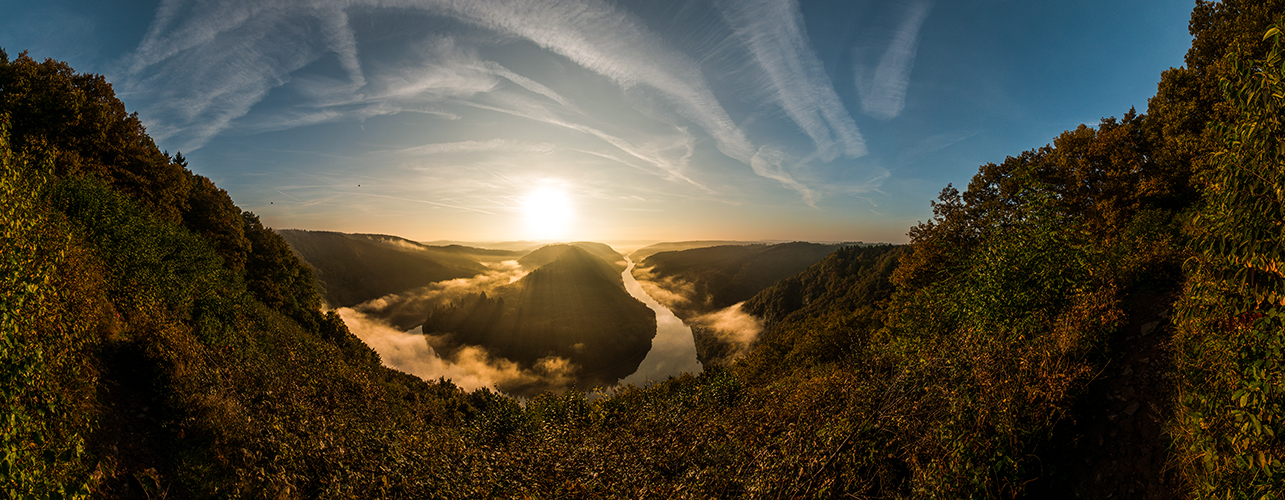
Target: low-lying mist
{"points": [[470, 367], [673, 350], [406, 310], [731, 327], [390, 326], [674, 293]]}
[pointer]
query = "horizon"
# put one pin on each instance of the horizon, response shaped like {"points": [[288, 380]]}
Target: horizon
{"points": [[585, 120], [624, 247]]}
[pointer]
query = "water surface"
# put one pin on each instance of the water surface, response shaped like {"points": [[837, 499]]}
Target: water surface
{"points": [[673, 351]]}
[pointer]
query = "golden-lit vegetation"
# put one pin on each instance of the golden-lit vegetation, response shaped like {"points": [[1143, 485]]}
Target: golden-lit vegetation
{"points": [[1232, 333], [157, 341]]}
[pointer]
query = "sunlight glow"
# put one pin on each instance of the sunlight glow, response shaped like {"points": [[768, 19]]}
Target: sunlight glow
{"points": [[548, 213]]}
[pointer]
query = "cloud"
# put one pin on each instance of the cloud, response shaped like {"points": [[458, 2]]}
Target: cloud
{"points": [[205, 67], [656, 152], [610, 42], [436, 67], [883, 88], [773, 32], [528, 84], [479, 146], [435, 71], [591, 33], [470, 367], [202, 65], [769, 162], [210, 64]]}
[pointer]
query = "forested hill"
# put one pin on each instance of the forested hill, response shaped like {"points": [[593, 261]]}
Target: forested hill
{"points": [[846, 280], [704, 285], [1101, 317], [155, 339], [355, 268], [722, 275], [572, 309]]}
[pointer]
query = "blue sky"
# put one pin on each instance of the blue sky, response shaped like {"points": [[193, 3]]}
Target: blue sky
{"points": [[488, 120]]}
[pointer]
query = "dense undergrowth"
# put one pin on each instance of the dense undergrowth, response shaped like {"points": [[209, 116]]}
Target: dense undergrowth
{"points": [[1232, 333], [156, 341]]}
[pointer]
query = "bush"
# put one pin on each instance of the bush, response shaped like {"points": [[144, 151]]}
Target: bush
{"points": [[45, 396]]}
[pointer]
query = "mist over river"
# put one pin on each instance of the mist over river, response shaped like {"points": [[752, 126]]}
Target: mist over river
{"points": [[673, 350]]}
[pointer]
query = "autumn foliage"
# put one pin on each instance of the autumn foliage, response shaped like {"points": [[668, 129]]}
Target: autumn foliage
{"points": [[155, 340]]}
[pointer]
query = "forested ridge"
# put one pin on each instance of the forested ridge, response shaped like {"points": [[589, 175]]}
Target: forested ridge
{"points": [[700, 285], [572, 308], [1098, 317]]}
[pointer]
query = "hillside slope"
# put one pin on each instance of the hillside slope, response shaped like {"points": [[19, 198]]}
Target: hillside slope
{"points": [[697, 282], [573, 308], [848, 279], [355, 268], [720, 276], [156, 341]]}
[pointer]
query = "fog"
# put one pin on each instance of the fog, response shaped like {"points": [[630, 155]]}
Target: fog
{"points": [[470, 368], [730, 325], [390, 326], [671, 292], [733, 326], [407, 310]]}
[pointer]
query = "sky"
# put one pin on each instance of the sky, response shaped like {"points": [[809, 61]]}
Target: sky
{"points": [[491, 120]]}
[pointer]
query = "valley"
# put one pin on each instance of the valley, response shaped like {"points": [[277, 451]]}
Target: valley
{"points": [[570, 316], [1099, 317]]}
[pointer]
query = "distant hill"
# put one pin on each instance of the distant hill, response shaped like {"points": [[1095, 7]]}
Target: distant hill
{"points": [[846, 287], [674, 246], [512, 246], [845, 280], [550, 253], [720, 276], [355, 268], [700, 281], [574, 307]]}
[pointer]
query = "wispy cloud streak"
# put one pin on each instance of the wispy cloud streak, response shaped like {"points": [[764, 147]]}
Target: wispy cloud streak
{"points": [[769, 163], [528, 84], [612, 43], [591, 33], [478, 146], [654, 155], [883, 88], [204, 66], [773, 32]]}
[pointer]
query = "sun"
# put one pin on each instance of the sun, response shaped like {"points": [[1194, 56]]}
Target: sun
{"points": [[548, 213]]}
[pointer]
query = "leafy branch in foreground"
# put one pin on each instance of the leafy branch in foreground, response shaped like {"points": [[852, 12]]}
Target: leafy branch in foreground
{"points": [[1231, 406]]}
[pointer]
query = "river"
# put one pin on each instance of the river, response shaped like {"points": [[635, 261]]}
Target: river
{"points": [[673, 351]]}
